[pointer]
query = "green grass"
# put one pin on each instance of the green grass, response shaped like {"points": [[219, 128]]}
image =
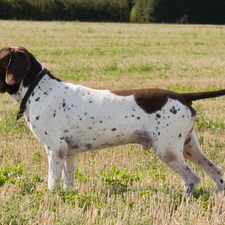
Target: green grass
{"points": [[122, 185]]}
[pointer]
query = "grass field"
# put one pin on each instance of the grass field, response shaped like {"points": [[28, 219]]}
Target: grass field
{"points": [[124, 185]]}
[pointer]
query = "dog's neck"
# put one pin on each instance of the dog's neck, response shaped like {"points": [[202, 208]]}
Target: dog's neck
{"points": [[20, 94], [23, 90]]}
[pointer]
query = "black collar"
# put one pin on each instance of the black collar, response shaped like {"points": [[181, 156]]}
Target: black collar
{"points": [[29, 91]]}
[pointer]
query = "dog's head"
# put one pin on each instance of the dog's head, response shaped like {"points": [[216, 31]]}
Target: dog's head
{"points": [[16, 63]]}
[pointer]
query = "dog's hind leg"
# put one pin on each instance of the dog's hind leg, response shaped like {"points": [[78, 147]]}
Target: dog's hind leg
{"points": [[172, 155], [56, 159], [193, 152], [68, 171]]}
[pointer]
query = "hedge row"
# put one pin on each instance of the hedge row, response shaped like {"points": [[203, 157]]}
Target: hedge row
{"points": [[167, 11], [82, 10], [179, 11]]}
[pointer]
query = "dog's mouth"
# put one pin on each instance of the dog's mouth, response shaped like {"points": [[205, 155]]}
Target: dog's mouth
{"points": [[5, 88], [9, 89]]}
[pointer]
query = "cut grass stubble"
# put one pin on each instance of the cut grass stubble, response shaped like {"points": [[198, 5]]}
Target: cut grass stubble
{"points": [[122, 185]]}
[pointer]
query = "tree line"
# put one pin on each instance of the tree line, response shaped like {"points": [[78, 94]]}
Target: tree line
{"points": [[137, 11]]}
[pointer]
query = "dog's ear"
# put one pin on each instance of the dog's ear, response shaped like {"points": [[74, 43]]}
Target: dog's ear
{"points": [[18, 66]]}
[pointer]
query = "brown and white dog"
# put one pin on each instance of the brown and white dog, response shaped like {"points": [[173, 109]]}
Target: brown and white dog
{"points": [[69, 119]]}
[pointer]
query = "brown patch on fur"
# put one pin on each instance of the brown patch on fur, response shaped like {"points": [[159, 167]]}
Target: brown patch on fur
{"points": [[62, 154], [142, 138], [187, 140], [152, 99], [170, 156]]}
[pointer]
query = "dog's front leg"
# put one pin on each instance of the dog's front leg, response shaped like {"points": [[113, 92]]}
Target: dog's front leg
{"points": [[68, 171], [56, 159]]}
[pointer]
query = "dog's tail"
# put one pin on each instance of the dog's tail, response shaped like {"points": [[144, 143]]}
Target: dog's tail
{"points": [[189, 97]]}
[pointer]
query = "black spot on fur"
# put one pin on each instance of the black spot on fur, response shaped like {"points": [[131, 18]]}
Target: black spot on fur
{"points": [[105, 144], [158, 115], [173, 110], [89, 146], [114, 129], [37, 117], [46, 133], [37, 99], [221, 181], [138, 118], [74, 146], [188, 154]]}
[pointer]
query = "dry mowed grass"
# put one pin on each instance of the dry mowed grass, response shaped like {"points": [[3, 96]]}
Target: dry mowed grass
{"points": [[123, 185]]}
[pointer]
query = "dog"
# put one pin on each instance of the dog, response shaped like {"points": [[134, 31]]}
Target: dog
{"points": [[69, 119]]}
